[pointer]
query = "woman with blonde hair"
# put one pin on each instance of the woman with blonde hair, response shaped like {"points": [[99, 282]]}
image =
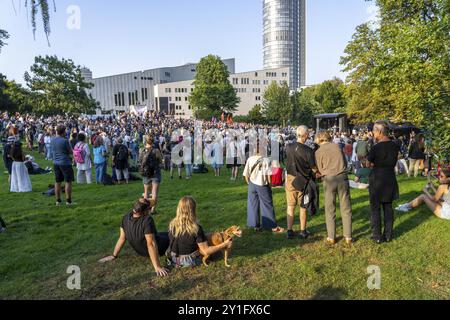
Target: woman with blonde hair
{"points": [[187, 238]]}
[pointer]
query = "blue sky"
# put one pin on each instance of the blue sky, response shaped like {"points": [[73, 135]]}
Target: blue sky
{"points": [[118, 36]]}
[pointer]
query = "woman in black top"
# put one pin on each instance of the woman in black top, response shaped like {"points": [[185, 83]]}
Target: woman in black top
{"points": [[383, 188], [187, 238]]}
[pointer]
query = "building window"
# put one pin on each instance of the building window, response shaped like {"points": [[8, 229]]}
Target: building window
{"points": [[146, 93], [129, 98], [168, 90], [116, 101], [235, 81], [245, 81], [185, 98], [258, 98], [256, 74], [167, 74]]}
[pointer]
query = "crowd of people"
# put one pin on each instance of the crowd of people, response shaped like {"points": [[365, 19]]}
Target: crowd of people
{"points": [[300, 159]]}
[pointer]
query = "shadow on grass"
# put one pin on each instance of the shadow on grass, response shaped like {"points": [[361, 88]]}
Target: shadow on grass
{"points": [[329, 293], [408, 221]]}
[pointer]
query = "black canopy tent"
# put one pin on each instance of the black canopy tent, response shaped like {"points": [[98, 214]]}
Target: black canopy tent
{"points": [[331, 121]]}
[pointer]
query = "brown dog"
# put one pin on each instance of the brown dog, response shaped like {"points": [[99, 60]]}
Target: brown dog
{"points": [[217, 238]]}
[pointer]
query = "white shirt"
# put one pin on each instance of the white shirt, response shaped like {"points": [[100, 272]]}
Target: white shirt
{"points": [[87, 165], [260, 173]]}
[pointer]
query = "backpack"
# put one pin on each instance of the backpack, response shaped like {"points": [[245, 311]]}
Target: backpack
{"points": [[107, 180], [122, 155], [79, 153], [147, 167]]}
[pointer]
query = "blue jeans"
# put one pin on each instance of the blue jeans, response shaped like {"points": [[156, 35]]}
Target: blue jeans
{"points": [[48, 150], [100, 170], [188, 170], [260, 203]]}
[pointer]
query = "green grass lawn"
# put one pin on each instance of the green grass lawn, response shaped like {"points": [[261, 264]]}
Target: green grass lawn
{"points": [[42, 241]]}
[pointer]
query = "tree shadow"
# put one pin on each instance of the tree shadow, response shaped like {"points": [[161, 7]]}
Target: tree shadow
{"points": [[409, 221], [329, 293]]}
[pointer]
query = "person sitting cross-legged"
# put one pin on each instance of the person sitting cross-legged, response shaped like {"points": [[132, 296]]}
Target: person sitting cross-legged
{"points": [[362, 176], [139, 229], [439, 204], [188, 241]]}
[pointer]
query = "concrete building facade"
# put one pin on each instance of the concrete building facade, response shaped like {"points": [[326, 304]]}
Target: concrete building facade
{"points": [[284, 38], [173, 98], [120, 92]]}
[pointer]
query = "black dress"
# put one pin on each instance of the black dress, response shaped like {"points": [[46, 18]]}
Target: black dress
{"points": [[383, 186]]}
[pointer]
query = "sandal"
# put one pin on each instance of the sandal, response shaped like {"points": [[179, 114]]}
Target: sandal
{"points": [[278, 230]]}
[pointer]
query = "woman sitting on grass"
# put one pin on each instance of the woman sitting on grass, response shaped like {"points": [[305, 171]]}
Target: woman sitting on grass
{"points": [[439, 204], [362, 176], [187, 239]]}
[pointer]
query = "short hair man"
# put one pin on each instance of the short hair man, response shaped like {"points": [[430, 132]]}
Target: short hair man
{"points": [[138, 227], [332, 166], [62, 162], [300, 164]]}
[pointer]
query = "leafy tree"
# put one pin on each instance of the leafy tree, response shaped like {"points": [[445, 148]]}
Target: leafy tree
{"points": [[14, 97], [4, 35], [330, 96], [213, 92], [6, 103], [304, 106], [400, 69], [57, 87], [255, 115], [277, 104]]}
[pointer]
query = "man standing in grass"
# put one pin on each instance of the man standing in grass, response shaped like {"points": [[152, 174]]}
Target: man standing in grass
{"points": [[62, 161], [332, 166], [301, 167]]}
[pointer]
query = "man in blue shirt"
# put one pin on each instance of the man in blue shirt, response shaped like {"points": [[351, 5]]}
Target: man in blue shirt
{"points": [[62, 161]]}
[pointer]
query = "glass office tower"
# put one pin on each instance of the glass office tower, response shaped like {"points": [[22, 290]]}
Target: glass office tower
{"points": [[285, 38]]}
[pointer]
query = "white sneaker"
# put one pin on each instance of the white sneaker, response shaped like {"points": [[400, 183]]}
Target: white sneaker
{"points": [[404, 208]]}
